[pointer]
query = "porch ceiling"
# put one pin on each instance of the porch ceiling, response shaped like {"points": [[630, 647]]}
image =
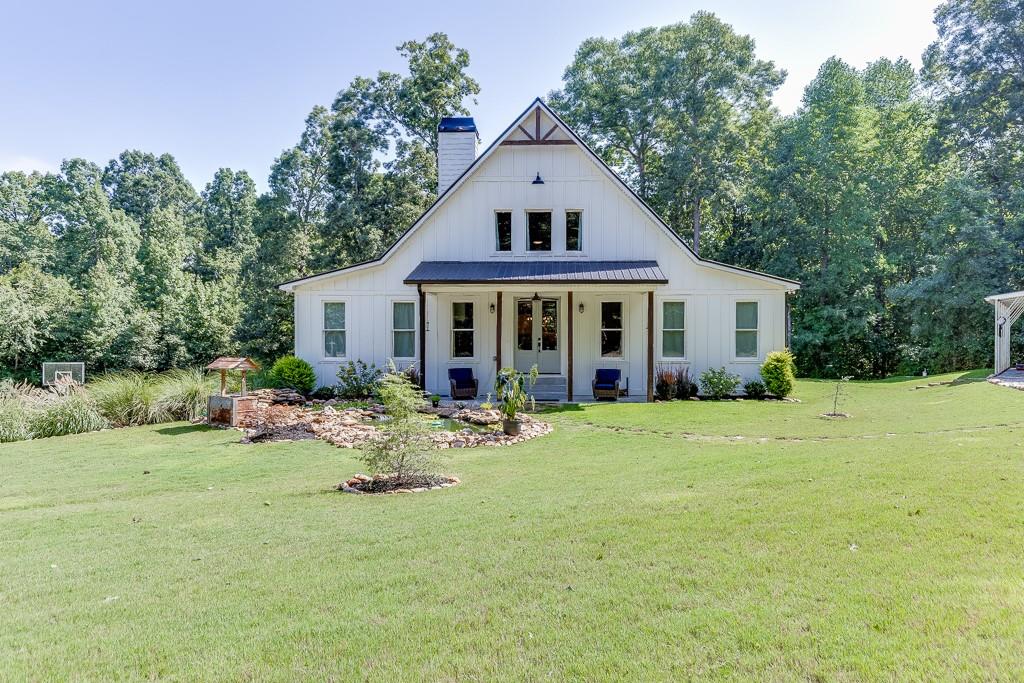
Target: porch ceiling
{"points": [[537, 272]]}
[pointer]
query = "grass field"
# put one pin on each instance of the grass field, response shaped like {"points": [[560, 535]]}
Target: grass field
{"points": [[642, 542]]}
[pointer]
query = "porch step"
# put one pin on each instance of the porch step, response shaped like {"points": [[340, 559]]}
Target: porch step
{"points": [[550, 388]]}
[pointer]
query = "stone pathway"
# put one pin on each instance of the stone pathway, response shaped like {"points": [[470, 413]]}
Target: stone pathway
{"points": [[1009, 378]]}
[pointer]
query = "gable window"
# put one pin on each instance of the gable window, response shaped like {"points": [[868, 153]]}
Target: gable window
{"points": [[746, 329], [462, 329], [611, 329], [403, 329], [538, 231], [574, 231], [673, 329], [503, 231], [334, 329]]}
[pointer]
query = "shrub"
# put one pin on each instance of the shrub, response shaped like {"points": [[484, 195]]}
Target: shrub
{"points": [[294, 373], [718, 383], [511, 387], [356, 379], [665, 384], [779, 373], [755, 389], [128, 398], [183, 393], [74, 413], [323, 393], [402, 447], [685, 387]]}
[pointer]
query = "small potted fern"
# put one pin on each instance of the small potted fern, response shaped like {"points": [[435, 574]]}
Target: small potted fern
{"points": [[511, 387]]}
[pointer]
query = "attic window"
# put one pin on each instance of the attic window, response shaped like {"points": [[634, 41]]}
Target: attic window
{"points": [[538, 231]]}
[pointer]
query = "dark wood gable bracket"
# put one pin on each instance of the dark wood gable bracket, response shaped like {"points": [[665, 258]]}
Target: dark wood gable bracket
{"points": [[535, 138]]}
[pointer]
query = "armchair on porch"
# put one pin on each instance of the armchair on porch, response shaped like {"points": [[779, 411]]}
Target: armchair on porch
{"points": [[606, 383], [463, 384]]}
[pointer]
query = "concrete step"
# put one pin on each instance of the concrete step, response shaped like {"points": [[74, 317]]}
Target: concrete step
{"points": [[550, 388]]}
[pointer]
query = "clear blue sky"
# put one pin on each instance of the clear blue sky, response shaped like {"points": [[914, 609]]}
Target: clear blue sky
{"points": [[229, 83]]}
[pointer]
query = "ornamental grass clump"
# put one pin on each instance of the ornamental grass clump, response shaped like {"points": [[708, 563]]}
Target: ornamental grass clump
{"points": [[665, 383], [72, 413], [15, 414], [129, 398], [182, 394]]}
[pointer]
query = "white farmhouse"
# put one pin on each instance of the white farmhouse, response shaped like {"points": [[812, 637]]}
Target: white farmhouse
{"points": [[537, 253]]}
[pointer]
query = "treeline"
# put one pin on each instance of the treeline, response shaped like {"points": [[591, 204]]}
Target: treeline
{"points": [[895, 196]]}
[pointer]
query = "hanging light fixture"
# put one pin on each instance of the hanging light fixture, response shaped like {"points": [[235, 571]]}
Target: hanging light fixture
{"points": [[538, 180]]}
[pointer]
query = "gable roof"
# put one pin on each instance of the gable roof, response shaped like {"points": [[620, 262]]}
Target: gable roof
{"points": [[605, 168]]}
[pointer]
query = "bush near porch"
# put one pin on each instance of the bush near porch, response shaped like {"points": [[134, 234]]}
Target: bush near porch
{"points": [[637, 541]]}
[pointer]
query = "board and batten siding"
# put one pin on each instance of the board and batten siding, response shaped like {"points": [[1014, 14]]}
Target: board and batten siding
{"points": [[614, 228]]}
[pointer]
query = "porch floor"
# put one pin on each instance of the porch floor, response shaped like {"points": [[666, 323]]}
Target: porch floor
{"points": [[1009, 378]]}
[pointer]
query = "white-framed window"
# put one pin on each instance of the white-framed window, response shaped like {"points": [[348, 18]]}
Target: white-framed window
{"points": [[746, 329], [403, 329], [673, 329], [334, 329], [463, 330], [502, 231], [574, 230], [538, 231], [612, 337]]}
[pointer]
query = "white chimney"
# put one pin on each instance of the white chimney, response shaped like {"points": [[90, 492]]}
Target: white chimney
{"points": [[456, 149]]}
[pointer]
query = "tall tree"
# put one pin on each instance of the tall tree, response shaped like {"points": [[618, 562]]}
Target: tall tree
{"points": [[674, 109], [24, 236]]}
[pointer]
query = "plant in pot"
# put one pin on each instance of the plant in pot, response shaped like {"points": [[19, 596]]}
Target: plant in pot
{"points": [[511, 387], [435, 400]]}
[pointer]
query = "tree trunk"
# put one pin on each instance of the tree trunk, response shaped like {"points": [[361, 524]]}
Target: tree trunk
{"points": [[696, 225]]}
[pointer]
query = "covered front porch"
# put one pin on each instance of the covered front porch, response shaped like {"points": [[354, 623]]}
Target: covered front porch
{"points": [[567, 323]]}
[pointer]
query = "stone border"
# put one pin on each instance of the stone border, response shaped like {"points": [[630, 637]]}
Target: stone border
{"points": [[1009, 384], [349, 486]]}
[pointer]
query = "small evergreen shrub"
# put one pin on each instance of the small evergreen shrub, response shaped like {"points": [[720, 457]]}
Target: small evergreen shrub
{"points": [[294, 373], [755, 389], [402, 447], [779, 373], [74, 413], [718, 383], [356, 379], [685, 387]]}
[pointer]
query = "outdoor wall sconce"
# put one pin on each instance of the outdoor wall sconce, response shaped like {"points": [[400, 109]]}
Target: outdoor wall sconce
{"points": [[492, 307], [1001, 321], [538, 180], [581, 308]]}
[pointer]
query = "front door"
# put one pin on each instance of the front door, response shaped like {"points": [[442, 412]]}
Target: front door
{"points": [[537, 336]]}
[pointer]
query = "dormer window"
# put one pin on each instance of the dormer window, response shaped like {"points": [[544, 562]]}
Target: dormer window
{"points": [[503, 231], [538, 231]]}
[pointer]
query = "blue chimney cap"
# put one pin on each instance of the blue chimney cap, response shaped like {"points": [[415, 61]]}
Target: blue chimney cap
{"points": [[457, 124]]}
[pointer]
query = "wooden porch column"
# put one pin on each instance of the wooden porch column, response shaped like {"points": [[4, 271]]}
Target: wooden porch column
{"points": [[497, 338], [568, 320], [650, 346], [423, 337]]}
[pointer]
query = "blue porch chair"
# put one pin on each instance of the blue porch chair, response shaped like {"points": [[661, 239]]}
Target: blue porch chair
{"points": [[606, 383], [463, 384]]}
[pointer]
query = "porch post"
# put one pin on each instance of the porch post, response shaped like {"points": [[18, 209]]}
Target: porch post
{"points": [[423, 337], [497, 337], [650, 346], [568, 320]]}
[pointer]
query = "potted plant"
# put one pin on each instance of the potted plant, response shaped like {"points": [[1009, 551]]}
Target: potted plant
{"points": [[435, 400], [511, 388]]}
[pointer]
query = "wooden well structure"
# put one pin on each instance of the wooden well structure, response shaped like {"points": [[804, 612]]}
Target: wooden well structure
{"points": [[228, 409]]}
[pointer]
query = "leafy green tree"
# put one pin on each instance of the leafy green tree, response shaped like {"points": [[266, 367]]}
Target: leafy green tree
{"points": [[24, 236], [37, 326], [116, 332]]}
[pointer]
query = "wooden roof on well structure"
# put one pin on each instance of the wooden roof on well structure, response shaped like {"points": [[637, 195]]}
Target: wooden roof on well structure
{"points": [[226, 363]]}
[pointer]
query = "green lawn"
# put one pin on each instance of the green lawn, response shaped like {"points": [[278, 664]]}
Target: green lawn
{"points": [[643, 542]]}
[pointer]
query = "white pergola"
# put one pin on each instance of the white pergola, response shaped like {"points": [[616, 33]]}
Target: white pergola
{"points": [[1008, 308]]}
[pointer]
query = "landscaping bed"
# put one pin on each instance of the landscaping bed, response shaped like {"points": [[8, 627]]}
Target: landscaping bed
{"points": [[283, 416]]}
